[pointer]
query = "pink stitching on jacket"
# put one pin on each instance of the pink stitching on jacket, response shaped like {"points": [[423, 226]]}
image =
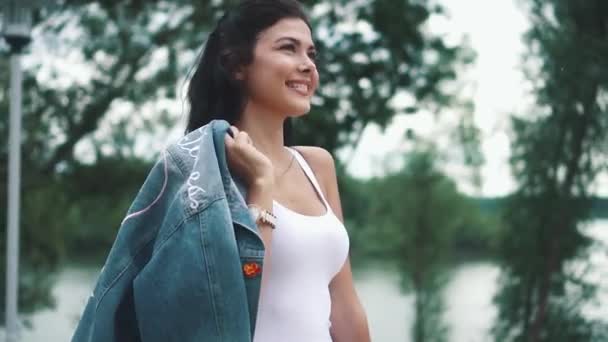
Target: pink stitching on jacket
{"points": [[157, 197]]}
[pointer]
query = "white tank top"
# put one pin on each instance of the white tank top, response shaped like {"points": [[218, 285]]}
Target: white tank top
{"points": [[307, 252]]}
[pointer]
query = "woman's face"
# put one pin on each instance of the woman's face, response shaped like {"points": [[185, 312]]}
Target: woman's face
{"points": [[282, 77]]}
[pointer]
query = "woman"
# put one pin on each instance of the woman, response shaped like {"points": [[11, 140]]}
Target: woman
{"points": [[257, 72]]}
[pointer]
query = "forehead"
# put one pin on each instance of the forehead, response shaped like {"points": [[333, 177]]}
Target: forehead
{"points": [[288, 27]]}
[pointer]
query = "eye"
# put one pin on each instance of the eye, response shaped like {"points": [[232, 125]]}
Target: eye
{"points": [[312, 55], [289, 47]]}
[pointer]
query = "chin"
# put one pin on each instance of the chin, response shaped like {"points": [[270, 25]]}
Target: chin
{"points": [[297, 108], [300, 111], [297, 115]]}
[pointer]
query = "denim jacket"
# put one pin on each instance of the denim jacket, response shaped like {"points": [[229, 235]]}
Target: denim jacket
{"points": [[176, 269]]}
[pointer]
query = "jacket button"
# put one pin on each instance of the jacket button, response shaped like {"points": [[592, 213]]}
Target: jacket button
{"points": [[252, 269]]}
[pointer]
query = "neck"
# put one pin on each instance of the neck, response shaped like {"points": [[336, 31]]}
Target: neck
{"points": [[266, 131]]}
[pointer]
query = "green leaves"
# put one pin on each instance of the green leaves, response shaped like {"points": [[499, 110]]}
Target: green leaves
{"points": [[364, 66], [417, 218], [555, 161]]}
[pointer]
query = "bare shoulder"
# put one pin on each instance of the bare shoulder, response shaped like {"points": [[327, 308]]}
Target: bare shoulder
{"points": [[320, 160], [323, 165]]}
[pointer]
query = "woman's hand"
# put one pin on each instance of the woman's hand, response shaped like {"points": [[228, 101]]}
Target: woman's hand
{"points": [[248, 163], [256, 170]]}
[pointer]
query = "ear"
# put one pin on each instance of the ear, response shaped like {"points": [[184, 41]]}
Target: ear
{"points": [[228, 61], [239, 73]]}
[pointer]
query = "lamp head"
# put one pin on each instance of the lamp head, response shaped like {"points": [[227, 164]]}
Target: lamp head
{"points": [[17, 21]]}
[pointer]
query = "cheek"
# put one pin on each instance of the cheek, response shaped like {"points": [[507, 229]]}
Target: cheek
{"points": [[273, 73], [259, 81]]}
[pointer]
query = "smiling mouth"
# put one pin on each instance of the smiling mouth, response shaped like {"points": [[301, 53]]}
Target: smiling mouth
{"points": [[300, 88]]}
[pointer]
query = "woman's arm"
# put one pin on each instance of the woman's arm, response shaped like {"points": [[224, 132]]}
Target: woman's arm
{"points": [[348, 318]]}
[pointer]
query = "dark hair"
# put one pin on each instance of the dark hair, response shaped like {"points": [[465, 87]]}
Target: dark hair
{"points": [[214, 92]]}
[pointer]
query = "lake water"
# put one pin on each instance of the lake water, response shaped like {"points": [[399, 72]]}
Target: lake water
{"points": [[468, 297]]}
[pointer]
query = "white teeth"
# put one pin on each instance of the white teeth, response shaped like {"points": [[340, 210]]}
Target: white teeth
{"points": [[298, 86]]}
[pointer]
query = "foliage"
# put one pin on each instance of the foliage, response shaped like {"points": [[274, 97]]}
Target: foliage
{"points": [[89, 231], [557, 154], [381, 210], [134, 53], [418, 218], [41, 244]]}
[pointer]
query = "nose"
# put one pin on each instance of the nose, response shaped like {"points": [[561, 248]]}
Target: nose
{"points": [[307, 65]]}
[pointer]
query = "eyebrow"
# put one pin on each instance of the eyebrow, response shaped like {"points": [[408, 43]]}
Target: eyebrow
{"points": [[295, 41]]}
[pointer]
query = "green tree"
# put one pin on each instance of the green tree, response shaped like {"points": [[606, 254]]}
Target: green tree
{"points": [[557, 154], [415, 220], [134, 53], [90, 232]]}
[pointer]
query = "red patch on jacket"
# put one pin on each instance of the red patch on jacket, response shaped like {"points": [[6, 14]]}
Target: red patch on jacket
{"points": [[252, 269]]}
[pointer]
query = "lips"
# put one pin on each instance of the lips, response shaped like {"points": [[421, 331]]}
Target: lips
{"points": [[301, 87]]}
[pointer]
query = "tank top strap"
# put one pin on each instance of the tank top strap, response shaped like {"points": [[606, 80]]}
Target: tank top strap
{"points": [[309, 173]]}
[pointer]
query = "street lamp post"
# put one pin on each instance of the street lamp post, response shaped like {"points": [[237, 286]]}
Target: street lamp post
{"points": [[17, 22]]}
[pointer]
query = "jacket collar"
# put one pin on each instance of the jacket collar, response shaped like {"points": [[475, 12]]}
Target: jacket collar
{"points": [[235, 190]]}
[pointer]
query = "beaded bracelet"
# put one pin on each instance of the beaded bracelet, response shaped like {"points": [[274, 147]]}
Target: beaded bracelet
{"points": [[262, 215]]}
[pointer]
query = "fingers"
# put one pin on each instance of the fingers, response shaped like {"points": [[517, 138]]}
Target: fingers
{"points": [[238, 137], [235, 131], [243, 138], [246, 138], [229, 140]]}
